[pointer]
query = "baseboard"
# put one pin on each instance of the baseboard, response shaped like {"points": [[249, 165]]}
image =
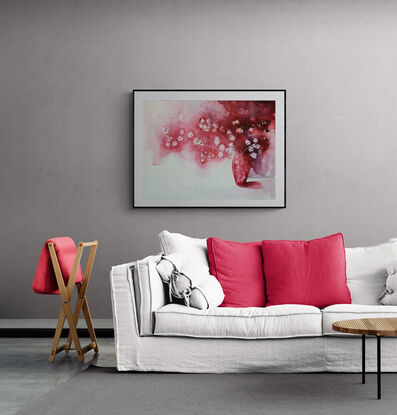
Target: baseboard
{"points": [[46, 328], [48, 332]]}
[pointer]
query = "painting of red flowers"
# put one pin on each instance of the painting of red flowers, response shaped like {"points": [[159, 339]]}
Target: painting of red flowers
{"points": [[209, 148]]}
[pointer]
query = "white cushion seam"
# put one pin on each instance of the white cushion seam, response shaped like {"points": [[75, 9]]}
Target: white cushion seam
{"points": [[238, 337], [234, 316], [360, 312]]}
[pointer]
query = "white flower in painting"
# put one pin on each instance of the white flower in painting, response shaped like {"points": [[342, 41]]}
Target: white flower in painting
{"points": [[169, 138], [217, 141], [220, 154], [257, 146], [180, 138], [250, 149], [254, 155], [202, 160], [174, 143], [230, 144], [221, 147], [167, 144], [190, 134], [255, 140], [228, 132], [247, 142], [232, 138], [165, 130], [208, 121], [182, 131], [251, 130], [202, 120], [239, 130], [230, 150]]}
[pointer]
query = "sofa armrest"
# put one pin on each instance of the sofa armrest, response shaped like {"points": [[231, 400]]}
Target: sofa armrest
{"points": [[147, 291]]}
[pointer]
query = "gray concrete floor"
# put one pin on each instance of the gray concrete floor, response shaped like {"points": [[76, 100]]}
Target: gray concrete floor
{"points": [[26, 374]]}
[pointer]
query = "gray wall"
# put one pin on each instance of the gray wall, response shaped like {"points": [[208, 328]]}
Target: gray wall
{"points": [[66, 69]]}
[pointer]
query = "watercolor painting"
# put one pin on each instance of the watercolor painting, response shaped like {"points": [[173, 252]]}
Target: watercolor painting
{"points": [[209, 148]]}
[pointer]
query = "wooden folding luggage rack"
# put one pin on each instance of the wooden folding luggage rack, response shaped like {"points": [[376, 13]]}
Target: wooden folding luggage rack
{"points": [[66, 293]]}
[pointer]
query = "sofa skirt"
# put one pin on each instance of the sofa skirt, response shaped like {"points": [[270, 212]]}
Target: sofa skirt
{"points": [[297, 355], [206, 355]]}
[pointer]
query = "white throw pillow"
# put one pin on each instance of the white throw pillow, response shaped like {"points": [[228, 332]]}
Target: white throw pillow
{"points": [[366, 270], [193, 250]]}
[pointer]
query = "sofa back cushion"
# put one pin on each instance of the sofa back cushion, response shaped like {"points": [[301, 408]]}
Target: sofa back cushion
{"points": [[238, 268], [193, 251], [366, 270], [306, 272]]}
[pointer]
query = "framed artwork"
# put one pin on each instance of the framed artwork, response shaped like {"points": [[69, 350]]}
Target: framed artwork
{"points": [[209, 148]]}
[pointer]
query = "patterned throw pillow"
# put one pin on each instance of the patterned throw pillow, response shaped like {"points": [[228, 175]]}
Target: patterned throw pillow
{"points": [[389, 294], [202, 293]]}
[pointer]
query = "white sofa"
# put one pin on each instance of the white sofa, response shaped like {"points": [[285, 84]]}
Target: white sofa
{"points": [[153, 335]]}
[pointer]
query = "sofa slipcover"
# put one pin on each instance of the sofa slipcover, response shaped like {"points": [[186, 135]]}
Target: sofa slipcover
{"points": [[339, 312], [279, 321], [209, 355]]}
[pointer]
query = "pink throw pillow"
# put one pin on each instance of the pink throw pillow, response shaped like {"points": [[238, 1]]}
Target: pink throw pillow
{"points": [[306, 272], [238, 268]]}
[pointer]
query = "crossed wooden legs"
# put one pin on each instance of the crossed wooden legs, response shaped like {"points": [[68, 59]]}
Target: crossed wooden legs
{"points": [[81, 304]]}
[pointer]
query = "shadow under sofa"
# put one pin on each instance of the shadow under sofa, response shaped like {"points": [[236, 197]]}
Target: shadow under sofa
{"points": [[153, 335]]}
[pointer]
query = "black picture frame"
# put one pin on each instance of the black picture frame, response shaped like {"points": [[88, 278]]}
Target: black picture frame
{"points": [[141, 205]]}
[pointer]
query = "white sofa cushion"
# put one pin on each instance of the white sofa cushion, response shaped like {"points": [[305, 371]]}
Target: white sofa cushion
{"points": [[193, 250], [339, 312], [366, 271], [245, 323]]}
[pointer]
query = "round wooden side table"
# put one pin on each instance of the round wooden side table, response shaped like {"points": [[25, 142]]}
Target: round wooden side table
{"points": [[378, 327]]}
